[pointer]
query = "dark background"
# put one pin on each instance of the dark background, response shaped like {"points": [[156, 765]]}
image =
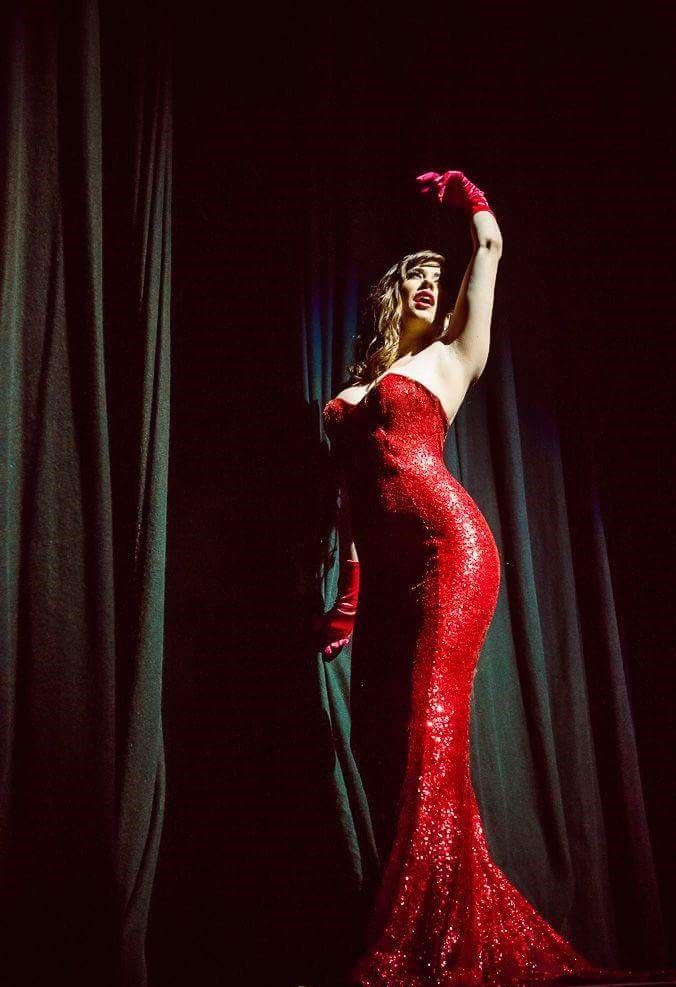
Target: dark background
{"points": [[563, 117]]}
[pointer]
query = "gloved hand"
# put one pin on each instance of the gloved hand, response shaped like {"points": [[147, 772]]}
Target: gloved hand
{"points": [[333, 628], [455, 189]]}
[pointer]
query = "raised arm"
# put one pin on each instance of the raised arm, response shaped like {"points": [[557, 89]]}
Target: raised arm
{"points": [[468, 332]]}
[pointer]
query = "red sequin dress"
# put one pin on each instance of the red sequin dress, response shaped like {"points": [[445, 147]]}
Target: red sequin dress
{"points": [[444, 913]]}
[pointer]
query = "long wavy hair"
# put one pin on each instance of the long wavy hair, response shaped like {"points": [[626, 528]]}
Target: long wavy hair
{"points": [[377, 342]]}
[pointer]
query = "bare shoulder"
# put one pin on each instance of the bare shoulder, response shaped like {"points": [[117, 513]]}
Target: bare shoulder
{"points": [[353, 393]]}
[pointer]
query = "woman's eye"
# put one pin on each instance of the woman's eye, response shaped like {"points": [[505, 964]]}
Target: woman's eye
{"points": [[417, 274]]}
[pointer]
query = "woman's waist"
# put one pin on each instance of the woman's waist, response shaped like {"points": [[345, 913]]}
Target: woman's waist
{"points": [[414, 506], [425, 484]]}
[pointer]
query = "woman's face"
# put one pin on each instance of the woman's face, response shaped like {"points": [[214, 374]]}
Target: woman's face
{"points": [[420, 293]]}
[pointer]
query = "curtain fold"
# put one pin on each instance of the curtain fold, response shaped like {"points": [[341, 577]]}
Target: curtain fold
{"points": [[84, 310]]}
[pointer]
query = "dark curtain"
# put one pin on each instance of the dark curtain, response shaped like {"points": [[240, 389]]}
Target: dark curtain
{"points": [[86, 266], [298, 137], [298, 133]]}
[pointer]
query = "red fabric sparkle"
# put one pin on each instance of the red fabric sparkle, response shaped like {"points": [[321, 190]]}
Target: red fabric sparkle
{"points": [[445, 914]]}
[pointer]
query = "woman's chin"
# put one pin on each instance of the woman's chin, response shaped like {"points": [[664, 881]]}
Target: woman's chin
{"points": [[422, 316]]}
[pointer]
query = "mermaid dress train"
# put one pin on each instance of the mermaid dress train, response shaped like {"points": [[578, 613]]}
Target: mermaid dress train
{"points": [[444, 913]]}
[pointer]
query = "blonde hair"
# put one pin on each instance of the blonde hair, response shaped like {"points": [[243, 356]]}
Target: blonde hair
{"points": [[376, 345]]}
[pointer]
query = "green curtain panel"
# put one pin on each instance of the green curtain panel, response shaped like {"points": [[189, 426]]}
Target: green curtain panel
{"points": [[84, 425]]}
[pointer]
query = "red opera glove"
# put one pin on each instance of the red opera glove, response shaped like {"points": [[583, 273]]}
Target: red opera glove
{"points": [[335, 626], [455, 189]]}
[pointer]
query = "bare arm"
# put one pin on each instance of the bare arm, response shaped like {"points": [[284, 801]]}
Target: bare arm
{"points": [[469, 329], [346, 546]]}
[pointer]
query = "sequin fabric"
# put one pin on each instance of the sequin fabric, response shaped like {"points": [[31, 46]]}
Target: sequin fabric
{"points": [[443, 913]]}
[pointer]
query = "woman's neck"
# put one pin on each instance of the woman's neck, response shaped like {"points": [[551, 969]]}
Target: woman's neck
{"points": [[411, 343]]}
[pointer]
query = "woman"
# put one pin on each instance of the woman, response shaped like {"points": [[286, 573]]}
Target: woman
{"points": [[418, 586]]}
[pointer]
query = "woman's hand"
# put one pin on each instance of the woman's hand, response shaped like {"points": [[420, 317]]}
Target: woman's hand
{"points": [[334, 628], [454, 188]]}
